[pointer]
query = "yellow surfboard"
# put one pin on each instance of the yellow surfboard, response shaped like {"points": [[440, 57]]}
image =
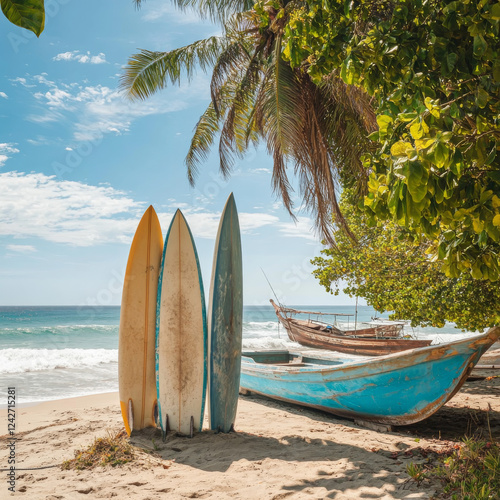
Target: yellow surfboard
{"points": [[136, 346]]}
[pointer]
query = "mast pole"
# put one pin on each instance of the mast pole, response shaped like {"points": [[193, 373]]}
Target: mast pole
{"points": [[356, 316]]}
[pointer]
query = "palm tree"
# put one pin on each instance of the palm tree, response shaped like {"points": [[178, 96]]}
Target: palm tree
{"points": [[320, 130]]}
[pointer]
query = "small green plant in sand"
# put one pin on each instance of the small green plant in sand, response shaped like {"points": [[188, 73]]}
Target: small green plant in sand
{"points": [[468, 471], [111, 450]]}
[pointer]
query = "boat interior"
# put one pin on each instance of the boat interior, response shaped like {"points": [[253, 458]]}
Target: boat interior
{"points": [[287, 358]]}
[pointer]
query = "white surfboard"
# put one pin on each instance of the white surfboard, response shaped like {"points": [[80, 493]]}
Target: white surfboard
{"points": [[181, 334], [136, 345]]}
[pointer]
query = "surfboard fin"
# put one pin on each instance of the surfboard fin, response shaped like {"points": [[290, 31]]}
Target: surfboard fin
{"points": [[166, 428], [191, 427], [155, 413], [125, 415]]}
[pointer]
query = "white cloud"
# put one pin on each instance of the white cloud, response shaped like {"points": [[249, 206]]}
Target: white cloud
{"points": [[36, 205], [4, 95], [97, 110], [40, 140], [6, 149], [204, 224], [39, 206], [259, 171], [108, 111], [81, 58], [65, 56], [248, 221], [21, 248], [43, 80], [156, 12], [303, 228], [23, 82]]}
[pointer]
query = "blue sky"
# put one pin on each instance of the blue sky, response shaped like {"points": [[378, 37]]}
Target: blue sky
{"points": [[79, 163]]}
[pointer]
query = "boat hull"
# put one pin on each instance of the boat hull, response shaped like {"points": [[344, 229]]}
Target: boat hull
{"points": [[397, 389], [321, 338], [349, 344]]}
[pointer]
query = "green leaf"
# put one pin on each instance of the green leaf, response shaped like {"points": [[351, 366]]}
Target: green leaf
{"points": [[439, 196], [495, 12], [485, 196], [417, 181], [441, 250], [482, 98], [477, 225], [454, 110], [496, 70], [401, 148], [424, 143], [383, 122], [28, 14], [479, 46], [496, 220], [441, 154], [491, 155], [483, 238], [419, 129], [451, 60], [407, 117]]}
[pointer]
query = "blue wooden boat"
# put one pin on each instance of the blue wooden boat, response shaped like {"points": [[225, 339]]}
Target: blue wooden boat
{"points": [[396, 389]]}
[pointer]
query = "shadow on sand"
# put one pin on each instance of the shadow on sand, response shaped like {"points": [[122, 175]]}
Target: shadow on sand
{"points": [[341, 465], [342, 468]]}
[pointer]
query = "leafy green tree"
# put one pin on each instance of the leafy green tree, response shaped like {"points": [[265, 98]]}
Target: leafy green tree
{"points": [[318, 129], [393, 274], [433, 70], [28, 14]]}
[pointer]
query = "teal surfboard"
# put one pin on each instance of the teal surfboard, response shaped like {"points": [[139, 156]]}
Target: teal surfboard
{"points": [[225, 321], [181, 334]]}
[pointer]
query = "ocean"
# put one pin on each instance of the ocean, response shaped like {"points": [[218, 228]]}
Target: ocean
{"points": [[49, 353]]}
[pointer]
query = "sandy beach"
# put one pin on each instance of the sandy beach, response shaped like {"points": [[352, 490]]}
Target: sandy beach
{"points": [[279, 451]]}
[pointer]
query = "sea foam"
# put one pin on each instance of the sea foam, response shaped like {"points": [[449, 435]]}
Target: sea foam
{"points": [[32, 360]]}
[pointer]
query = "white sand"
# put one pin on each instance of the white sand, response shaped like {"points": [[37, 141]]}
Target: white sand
{"points": [[279, 451]]}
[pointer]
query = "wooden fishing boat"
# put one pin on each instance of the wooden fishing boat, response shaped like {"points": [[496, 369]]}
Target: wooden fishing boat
{"points": [[325, 337], [377, 328], [397, 389]]}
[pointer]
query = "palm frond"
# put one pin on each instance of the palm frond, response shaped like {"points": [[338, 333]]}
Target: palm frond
{"points": [[280, 182], [278, 119], [148, 71], [235, 56], [205, 132], [217, 11], [243, 102], [278, 104]]}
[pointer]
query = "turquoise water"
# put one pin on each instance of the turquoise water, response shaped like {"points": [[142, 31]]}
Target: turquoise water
{"points": [[57, 352]]}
